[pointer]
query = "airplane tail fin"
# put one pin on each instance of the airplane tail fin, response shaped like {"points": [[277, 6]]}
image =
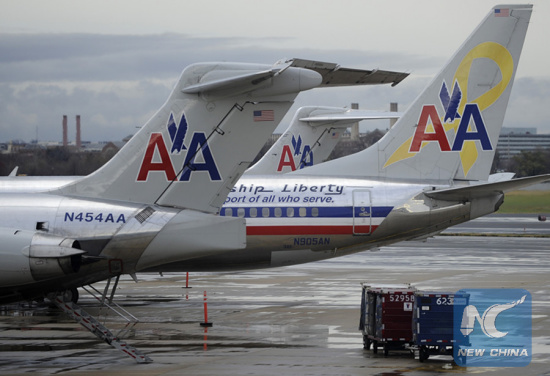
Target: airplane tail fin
{"points": [[451, 130], [202, 139], [198, 144], [311, 137]]}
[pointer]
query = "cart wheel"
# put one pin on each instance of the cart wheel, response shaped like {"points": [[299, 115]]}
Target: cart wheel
{"points": [[375, 346], [366, 343], [423, 353], [461, 361], [386, 349]]}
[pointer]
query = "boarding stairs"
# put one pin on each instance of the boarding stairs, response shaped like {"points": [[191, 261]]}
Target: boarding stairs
{"points": [[99, 329]]}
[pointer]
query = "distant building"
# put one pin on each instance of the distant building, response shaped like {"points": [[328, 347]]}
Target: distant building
{"points": [[512, 141], [93, 147], [518, 130], [112, 147]]}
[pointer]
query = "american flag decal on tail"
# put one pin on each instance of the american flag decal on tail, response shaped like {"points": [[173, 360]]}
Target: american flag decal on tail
{"points": [[264, 115], [502, 12]]}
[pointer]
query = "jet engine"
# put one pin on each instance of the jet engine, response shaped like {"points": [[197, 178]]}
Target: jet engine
{"points": [[29, 256]]}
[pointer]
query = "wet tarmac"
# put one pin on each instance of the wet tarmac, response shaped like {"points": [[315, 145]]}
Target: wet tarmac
{"points": [[521, 224], [299, 320]]}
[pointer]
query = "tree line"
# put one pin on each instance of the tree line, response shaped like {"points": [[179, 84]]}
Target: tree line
{"points": [[63, 161], [57, 161]]}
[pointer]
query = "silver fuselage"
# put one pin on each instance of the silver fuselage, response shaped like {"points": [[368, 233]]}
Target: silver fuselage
{"points": [[289, 220]]}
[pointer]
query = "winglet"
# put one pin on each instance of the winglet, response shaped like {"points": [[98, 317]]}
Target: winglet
{"points": [[14, 171]]}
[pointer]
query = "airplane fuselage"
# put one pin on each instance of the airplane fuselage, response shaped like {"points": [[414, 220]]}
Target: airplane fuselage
{"points": [[292, 219], [289, 220], [54, 243], [427, 173]]}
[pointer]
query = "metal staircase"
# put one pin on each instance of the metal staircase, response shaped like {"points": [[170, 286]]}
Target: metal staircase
{"points": [[99, 329]]}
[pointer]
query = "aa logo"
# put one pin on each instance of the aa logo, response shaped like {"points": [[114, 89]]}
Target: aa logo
{"points": [[431, 129], [494, 329], [459, 126], [297, 158], [198, 157]]}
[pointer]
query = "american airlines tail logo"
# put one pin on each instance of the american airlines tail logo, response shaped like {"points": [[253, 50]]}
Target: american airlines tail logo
{"points": [[461, 127], [198, 156], [437, 133], [295, 158], [488, 320]]}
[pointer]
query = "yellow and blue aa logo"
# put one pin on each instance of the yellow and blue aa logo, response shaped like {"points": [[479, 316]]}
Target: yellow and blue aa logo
{"points": [[462, 114]]}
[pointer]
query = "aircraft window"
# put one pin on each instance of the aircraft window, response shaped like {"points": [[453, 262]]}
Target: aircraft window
{"points": [[240, 212], [314, 212], [290, 212], [253, 212], [303, 212], [278, 212], [228, 212], [265, 212]]}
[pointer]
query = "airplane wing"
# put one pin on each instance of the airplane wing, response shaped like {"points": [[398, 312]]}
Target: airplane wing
{"points": [[482, 190], [334, 75]]}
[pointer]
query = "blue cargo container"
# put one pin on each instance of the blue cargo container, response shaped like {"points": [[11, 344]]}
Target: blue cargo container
{"points": [[433, 315]]}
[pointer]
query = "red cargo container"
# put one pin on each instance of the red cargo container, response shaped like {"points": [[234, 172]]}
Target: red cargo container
{"points": [[387, 317]]}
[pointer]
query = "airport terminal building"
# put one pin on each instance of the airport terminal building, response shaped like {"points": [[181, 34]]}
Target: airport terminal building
{"points": [[512, 141]]}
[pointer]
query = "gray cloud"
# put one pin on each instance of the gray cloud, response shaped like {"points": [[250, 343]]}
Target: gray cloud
{"points": [[116, 82], [83, 57]]}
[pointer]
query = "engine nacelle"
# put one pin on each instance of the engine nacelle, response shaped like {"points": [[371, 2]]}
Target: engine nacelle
{"points": [[28, 256]]}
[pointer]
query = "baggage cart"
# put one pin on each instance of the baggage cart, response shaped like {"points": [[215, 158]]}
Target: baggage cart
{"points": [[433, 319], [386, 316]]}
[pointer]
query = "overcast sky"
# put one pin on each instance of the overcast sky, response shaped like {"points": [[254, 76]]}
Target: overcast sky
{"points": [[114, 62]]}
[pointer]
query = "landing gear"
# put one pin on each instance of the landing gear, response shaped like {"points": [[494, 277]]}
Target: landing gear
{"points": [[70, 295]]}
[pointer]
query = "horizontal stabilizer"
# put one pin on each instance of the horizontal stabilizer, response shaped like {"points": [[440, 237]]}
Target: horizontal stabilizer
{"points": [[234, 79], [229, 82], [245, 81], [501, 176], [350, 116], [334, 75], [483, 190]]}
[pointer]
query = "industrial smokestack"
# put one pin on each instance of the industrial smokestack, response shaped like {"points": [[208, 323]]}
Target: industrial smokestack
{"points": [[65, 137], [355, 126], [78, 141]]}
